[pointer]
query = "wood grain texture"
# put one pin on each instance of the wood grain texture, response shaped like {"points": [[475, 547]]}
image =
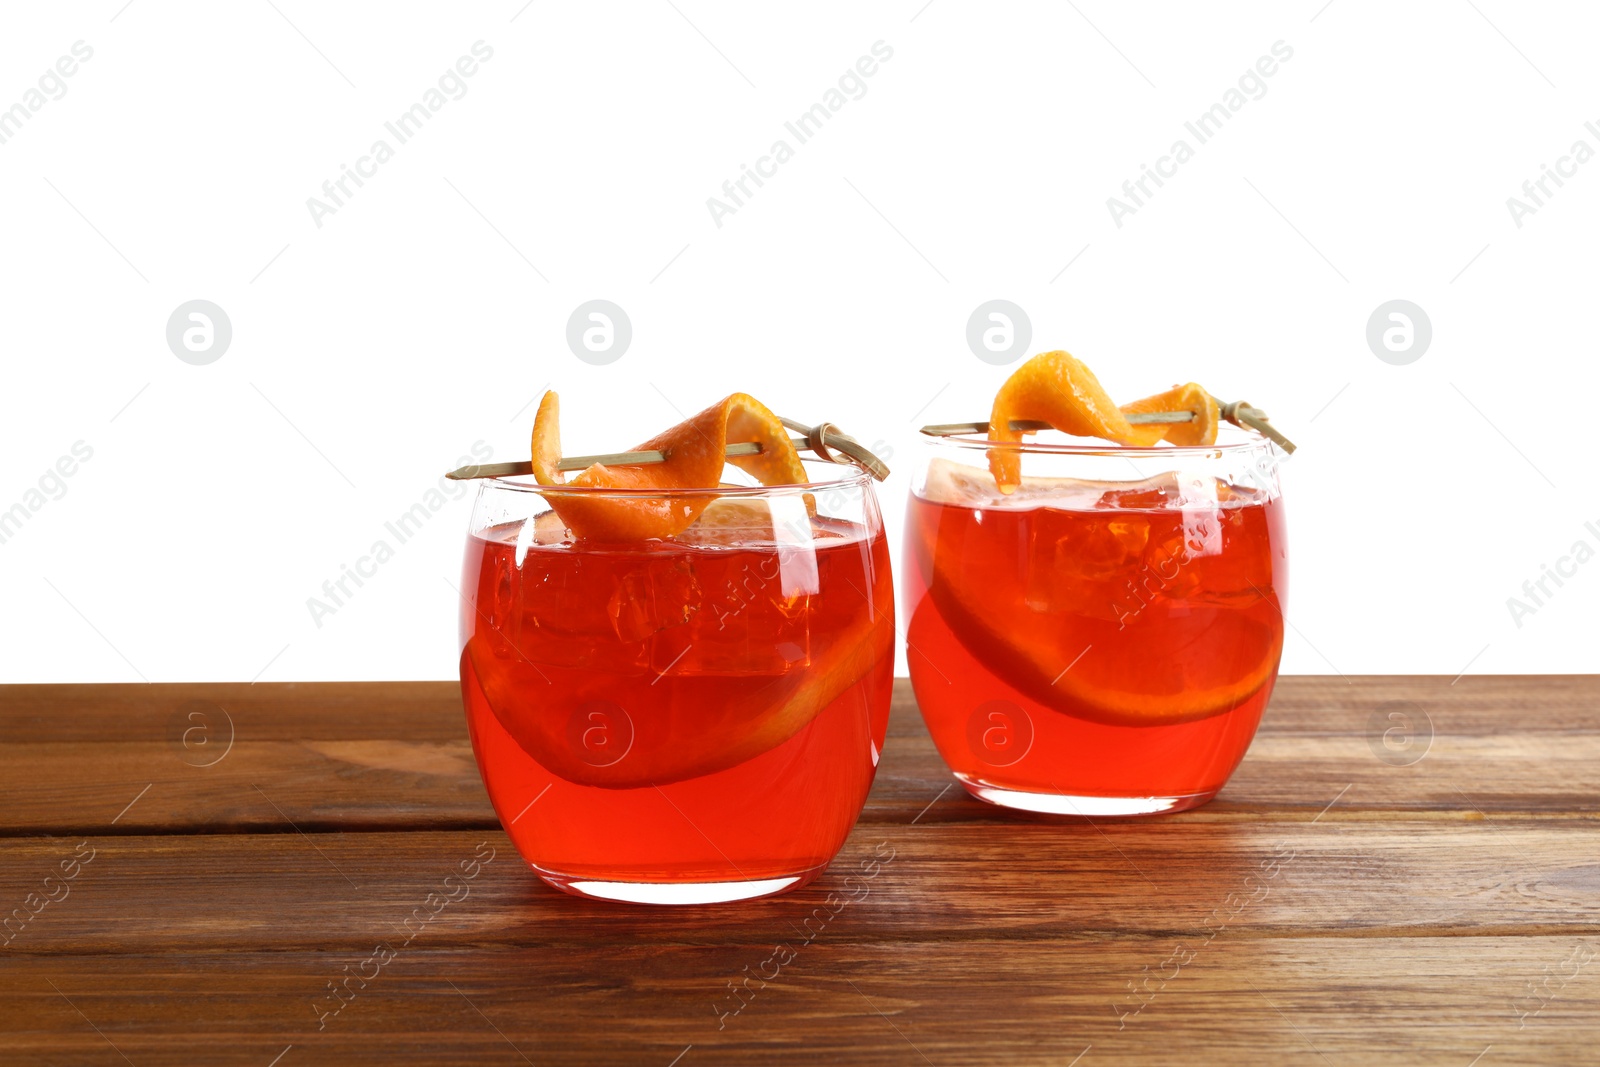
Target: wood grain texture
{"points": [[1023, 880], [1419, 913], [375, 756], [1402, 1001]]}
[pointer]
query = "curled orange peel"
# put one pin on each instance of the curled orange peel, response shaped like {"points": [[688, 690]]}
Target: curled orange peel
{"points": [[1201, 430], [1056, 388], [695, 456]]}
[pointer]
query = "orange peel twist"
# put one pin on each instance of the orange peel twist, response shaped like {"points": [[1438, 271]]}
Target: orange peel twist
{"points": [[694, 451], [1057, 388]]}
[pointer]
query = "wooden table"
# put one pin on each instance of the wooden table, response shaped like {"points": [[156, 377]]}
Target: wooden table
{"points": [[1342, 902]]}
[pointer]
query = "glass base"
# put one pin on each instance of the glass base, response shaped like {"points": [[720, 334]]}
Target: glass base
{"points": [[1087, 806], [673, 893]]}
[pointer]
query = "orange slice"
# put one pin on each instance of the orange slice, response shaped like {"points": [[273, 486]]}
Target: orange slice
{"points": [[693, 726], [694, 450], [1214, 659], [751, 521], [1056, 388], [1115, 682]]}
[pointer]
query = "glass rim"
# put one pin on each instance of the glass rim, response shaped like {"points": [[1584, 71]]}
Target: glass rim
{"points": [[1249, 443], [851, 476]]}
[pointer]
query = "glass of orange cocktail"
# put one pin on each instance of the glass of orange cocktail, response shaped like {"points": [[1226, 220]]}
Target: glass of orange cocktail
{"points": [[1102, 637], [684, 718]]}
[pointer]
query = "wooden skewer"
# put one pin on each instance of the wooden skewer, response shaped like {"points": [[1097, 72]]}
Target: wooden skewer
{"points": [[578, 463], [824, 438], [821, 439], [1241, 414], [1237, 412]]}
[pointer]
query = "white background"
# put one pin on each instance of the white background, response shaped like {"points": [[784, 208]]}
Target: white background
{"points": [[370, 354]]}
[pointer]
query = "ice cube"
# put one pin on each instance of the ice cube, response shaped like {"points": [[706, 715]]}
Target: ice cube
{"points": [[1085, 570], [660, 595], [1149, 494], [1168, 568], [781, 524], [1202, 528], [746, 629], [546, 528]]}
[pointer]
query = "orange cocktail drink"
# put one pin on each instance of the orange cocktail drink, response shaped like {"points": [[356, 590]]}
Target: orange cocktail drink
{"points": [[1094, 627], [1088, 649], [683, 718]]}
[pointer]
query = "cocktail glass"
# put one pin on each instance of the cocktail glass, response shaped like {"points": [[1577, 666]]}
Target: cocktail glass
{"points": [[1103, 640], [687, 720]]}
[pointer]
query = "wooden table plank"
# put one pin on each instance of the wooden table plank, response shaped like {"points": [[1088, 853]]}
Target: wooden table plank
{"points": [[1405, 1001], [389, 756], [381, 784], [265, 711], [996, 879], [1312, 705]]}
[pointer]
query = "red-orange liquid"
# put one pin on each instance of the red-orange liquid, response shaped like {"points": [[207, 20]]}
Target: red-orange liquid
{"points": [[1107, 652], [633, 707]]}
